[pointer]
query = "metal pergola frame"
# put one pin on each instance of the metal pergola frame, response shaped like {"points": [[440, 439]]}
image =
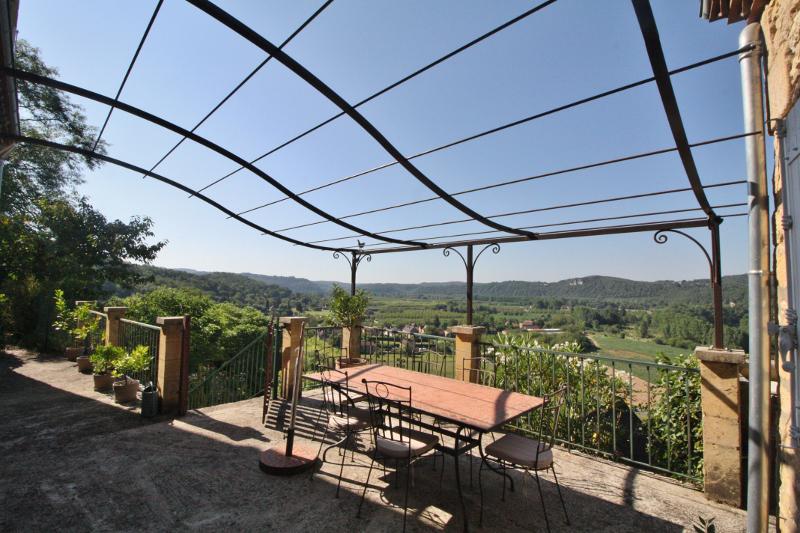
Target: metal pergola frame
{"points": [[11, 75]]}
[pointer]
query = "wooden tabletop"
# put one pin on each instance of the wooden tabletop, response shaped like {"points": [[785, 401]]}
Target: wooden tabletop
{"points": [[467, 404]]}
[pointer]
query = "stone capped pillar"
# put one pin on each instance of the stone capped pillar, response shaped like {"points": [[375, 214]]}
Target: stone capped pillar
{"points": [[112, 324], [292, 339], [351, 342], [467, 347], [722, 419], [170, 363]]}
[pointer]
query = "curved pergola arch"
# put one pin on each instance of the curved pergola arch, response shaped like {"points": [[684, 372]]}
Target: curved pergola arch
{"points": [[661, 76], [130, 166], [258, 40], [655, 54], [91, 95]]}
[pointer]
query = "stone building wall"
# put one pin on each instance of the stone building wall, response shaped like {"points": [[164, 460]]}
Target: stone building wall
{"points": [[781, 25]]}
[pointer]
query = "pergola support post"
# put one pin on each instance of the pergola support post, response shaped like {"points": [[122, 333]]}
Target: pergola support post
{"points": [[469, 265], [716, 286], [354, 261]]}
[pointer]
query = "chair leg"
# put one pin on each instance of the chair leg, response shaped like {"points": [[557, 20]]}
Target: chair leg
{"points": [[334, 445], [408, 485], [560, 497], [321, 444], [480, 487], [316, 424], [503, 465], [541, 497], [366, 484], [341, 468], [469, 458], [441, 473]]}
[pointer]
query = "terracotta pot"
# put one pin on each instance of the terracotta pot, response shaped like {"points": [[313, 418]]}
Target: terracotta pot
{"points": [[73, 353], [84, 365], [125, 391], [351, 362], [103, 382]]}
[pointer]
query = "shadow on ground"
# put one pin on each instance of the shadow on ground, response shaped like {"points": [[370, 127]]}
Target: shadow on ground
{"points": [[71, 462]]}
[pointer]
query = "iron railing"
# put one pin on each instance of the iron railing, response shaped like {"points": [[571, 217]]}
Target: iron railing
{"points": [[430, 354], [640, 412], [132, 334], [322, 346], [239, 378]]}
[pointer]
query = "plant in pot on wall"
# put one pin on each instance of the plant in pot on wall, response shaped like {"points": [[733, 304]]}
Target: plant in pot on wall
{"points": [[66, 322], [87, 330], [347, 311], [102, 360], [135, 361]]}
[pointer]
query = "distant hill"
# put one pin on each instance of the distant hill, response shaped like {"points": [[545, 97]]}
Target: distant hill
{"points": [[299, 285], [591, 288], [221, 286], [596, 288]]}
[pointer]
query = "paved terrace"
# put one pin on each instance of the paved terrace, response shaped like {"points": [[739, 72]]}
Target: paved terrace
{"points": [[72, 460]]}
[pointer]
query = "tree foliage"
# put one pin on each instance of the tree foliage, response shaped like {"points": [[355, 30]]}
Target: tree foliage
{"points": [[50, 237]]}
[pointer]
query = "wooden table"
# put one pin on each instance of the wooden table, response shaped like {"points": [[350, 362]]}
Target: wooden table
{"points": [[467, 405]]}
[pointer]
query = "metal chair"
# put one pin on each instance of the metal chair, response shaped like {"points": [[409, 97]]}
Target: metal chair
{"points": [[393, 436], [343, 415], [430, 363], [535, 455]]}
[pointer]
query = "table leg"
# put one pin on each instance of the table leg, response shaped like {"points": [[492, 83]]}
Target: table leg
{"points": [[458, 483]]}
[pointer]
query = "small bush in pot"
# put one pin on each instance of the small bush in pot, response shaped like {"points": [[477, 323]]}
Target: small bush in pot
{"points": [[135, 361], [78, 323], [348, 311], [103, 364]]}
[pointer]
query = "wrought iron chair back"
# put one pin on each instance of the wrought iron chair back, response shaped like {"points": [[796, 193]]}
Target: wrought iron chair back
{"points": [[431, 363], [322, 361], [481, 370], [335, 398], [389, 410], [549, 414]]}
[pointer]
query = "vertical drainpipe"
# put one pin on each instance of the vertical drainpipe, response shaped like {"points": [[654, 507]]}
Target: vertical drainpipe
{"points": [[758, 281]]}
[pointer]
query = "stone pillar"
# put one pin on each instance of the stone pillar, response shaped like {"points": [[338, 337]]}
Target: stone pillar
{"points": [[170, 362], [467, 347], [292, 339], [112, 324], [351, 342], [722, 419]]}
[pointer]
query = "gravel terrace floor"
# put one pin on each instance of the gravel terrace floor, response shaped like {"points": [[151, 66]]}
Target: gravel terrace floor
{"points": [[72, 460]]}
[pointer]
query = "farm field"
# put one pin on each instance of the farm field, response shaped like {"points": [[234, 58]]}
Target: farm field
{"points": [[638, 349]]}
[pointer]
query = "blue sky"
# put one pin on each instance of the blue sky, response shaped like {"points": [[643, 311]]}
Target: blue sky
{"points": [[569, 50]]}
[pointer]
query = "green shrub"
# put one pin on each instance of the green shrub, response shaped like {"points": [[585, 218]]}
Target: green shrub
{"points": [[347, 310], [103, 358], [137, 360]]}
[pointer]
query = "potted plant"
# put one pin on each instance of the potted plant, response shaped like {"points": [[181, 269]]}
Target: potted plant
{"points": [[87, 330], [137, 360], [79, 323], [347, 311], [102, 361]]}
